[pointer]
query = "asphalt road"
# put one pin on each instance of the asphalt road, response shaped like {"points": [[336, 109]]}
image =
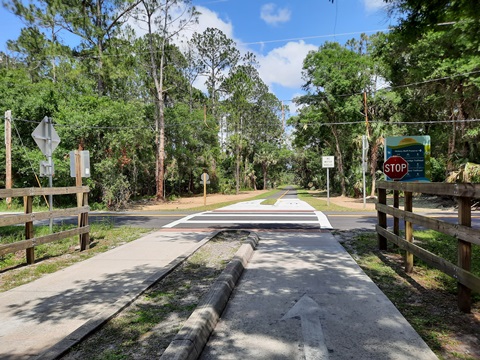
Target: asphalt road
{"points": [[261, 221], [250, 217]]}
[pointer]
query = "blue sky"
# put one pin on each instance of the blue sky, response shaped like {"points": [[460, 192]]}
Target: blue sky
{"points": [[280, 33]]}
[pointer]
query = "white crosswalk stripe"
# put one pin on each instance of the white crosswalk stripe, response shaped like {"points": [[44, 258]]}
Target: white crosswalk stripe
{"points": [[294, 212]]}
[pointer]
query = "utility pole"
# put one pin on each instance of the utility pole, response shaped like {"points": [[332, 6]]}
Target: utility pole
{"points": [[8, 153]]}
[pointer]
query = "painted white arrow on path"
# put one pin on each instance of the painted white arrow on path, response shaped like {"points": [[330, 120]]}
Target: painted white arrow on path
{"points": [[314, 341]]}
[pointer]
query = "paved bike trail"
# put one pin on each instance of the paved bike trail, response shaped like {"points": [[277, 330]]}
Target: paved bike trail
{"points": [[302, 296], [42, 319]]}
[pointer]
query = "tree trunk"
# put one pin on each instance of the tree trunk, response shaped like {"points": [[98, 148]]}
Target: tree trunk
{"points": [[265, 171], [237, 170], [159, 105], [100, 84]]}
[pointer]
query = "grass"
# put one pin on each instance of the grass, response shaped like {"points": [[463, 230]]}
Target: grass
{"points": [[269, 202], [57, 255], [320, 204], [210, 207], [427, 297]]}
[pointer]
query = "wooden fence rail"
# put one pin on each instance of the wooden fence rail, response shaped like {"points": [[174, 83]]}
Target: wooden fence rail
{"points": [[462, 231], [83, 229]]}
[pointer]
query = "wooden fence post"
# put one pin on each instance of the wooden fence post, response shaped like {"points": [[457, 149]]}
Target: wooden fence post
{"points": [[78, 183], [382, 218], [29, 233], [408, 232], [85, 238], [396, 220], [464, 253]]}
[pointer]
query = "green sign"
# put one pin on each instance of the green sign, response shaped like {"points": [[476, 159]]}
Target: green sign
{"points": [[415, 150]]}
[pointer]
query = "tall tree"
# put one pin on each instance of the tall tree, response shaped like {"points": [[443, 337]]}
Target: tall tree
{"points": [[171, 17], [435, 70], [332, 74], [243, 88], [95, 22], [216, 54]]}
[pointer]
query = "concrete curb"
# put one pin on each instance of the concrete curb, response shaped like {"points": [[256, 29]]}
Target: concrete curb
{"points": [[192, 337], [91, 325]]}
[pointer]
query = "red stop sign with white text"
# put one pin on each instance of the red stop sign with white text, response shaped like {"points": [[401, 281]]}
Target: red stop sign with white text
{"points": [[395, 167]]}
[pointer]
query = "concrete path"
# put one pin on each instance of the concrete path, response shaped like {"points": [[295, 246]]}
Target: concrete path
{"points": [[42, 319], [303, 297]]}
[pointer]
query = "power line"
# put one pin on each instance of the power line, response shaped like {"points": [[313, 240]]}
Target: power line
{"points": [[123, 127], [311, 37], [259, 42], [362, 122], [196, 122], [400, 86], [28, 158]]}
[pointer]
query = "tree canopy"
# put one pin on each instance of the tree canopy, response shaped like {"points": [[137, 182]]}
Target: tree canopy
{"points": [[131, 100]]}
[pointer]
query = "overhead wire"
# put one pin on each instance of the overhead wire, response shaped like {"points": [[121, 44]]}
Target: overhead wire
{"points": [[284, 100], [401, 86], [258, 42], [28, 159], [196, 122], [76, 126], [362, 122]]}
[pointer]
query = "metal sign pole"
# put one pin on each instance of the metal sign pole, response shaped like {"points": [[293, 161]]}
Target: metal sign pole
{"points": [[328, 186], [204, 189], [50, 168]]}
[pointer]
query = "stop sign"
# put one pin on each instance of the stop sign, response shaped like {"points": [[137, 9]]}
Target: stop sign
{"points": [[396, 167]]}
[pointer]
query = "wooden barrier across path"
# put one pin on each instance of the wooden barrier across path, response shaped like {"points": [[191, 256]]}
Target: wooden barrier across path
{"points": [[83, 229], [462, 231]]}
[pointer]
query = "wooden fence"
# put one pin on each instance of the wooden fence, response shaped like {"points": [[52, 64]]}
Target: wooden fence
{"points": [[31, 241], [465, 234]]}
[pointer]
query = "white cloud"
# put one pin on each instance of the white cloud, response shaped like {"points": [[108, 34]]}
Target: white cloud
{"points": [[374, 5], [283, 65], [273, 15], [209, 18], [206, 19]]}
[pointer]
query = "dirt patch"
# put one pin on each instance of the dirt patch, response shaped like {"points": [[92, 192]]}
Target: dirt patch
{"points": [[420, 203]]}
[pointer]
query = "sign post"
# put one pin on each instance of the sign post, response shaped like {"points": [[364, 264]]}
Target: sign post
{"points": [[328, 162], [364, 167], [205, 181], [79, 168], [47, 140]]}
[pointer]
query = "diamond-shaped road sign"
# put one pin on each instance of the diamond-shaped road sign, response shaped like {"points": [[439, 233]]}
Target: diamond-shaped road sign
{"points": [[41, 136]]}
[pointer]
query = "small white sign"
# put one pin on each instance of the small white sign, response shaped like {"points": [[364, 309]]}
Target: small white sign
{"points": [[84, 164], [328, 161]]}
